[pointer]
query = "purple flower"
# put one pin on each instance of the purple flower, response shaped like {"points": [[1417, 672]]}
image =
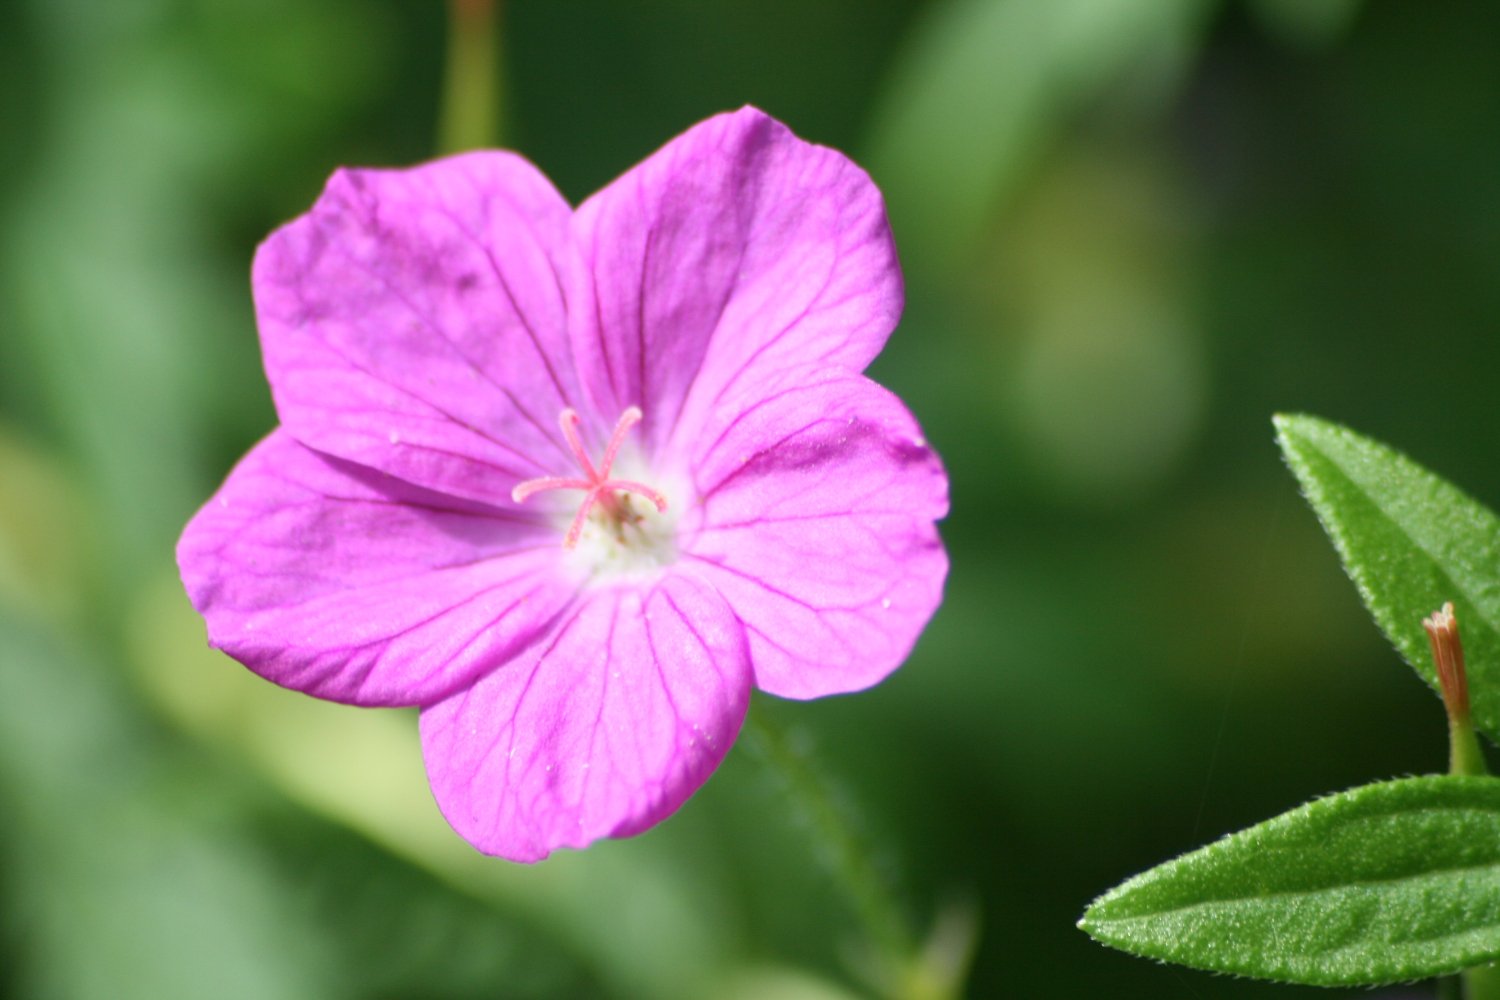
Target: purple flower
{"points": [[574, 481]]}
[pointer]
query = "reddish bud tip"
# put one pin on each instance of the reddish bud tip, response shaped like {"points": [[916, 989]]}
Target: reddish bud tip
{"points": [[1448, 656]]}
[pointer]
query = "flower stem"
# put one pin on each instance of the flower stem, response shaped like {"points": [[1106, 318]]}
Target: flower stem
{"points": [[906, 971], [470, 114], [1464, 754], [1482, 982]]}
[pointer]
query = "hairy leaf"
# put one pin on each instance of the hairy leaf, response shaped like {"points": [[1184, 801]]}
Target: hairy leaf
{"points": [[1387, 882], [1411, 541]]}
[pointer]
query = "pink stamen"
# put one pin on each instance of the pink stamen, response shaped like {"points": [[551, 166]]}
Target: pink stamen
{"points": [[628, 419], [531, 487], [570, 422], [598, 487]]}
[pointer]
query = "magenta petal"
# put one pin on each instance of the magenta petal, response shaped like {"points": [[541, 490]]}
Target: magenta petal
{"points": [[464, 511], [736, 252], [335, 580], [414, 321], [817, 526], [602, 730]]}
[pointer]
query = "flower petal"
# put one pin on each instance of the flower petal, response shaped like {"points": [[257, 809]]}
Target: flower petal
{"points": [[602, 730], [736, 252], [351, 585], [815, 521], [414, 321]]}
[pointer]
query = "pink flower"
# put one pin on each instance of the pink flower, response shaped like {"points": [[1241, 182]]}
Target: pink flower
{"points": [[575, 481]]}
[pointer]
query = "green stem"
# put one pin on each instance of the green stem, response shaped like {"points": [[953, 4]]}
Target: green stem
{"points": [[1464, 755], [853, 859], [902, 968], [1482, 982], [470, 115]]}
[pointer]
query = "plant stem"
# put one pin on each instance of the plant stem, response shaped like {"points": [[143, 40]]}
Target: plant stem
{"points": [[1465, 758], [470, 114], [1464, 755], [1482, 982], [906, 972], [853, 861]]}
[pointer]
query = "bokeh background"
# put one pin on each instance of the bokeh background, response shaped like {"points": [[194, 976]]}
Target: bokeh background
{"points": [[1133, 230]]}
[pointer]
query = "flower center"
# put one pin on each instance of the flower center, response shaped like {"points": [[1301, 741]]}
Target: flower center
{"points": [[600, 489]]}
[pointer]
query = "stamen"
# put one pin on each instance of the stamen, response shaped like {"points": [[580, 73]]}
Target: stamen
{"points": [[531, 487], [641, 489], [597, 485], [575, 530], [628, 419], [570, 422]]}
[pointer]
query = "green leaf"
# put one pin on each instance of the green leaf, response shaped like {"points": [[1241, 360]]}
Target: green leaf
{"points": [[1411, 541], [1387, 882], [1310, 24], [987, 84], [138, 868]]}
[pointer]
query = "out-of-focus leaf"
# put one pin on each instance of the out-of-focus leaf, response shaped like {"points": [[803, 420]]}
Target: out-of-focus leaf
{"points": [[120, 897], [395, 931], [1393, 881], [1101, 371], [648, 914], [45, 534], [981, 89], [132, 331], [1308, 22], [771, 983], [1411, 541], [138, 868]]}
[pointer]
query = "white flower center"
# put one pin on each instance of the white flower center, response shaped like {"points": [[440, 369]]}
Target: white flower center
{"points": [[622, 525]]}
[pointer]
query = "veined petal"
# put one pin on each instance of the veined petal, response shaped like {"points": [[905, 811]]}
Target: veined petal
{"points": [[352, 585], [734, 253], [601, 730], [815, 521], [414, 321]]}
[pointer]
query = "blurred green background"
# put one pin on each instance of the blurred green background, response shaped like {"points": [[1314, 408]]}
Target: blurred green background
{"points": [[1132, 230]]}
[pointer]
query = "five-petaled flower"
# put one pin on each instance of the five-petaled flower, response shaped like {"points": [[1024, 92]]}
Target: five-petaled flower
{"points": [[574, 482]]}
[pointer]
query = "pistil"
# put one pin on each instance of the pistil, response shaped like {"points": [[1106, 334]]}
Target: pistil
{"points": [[598, 486]]}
